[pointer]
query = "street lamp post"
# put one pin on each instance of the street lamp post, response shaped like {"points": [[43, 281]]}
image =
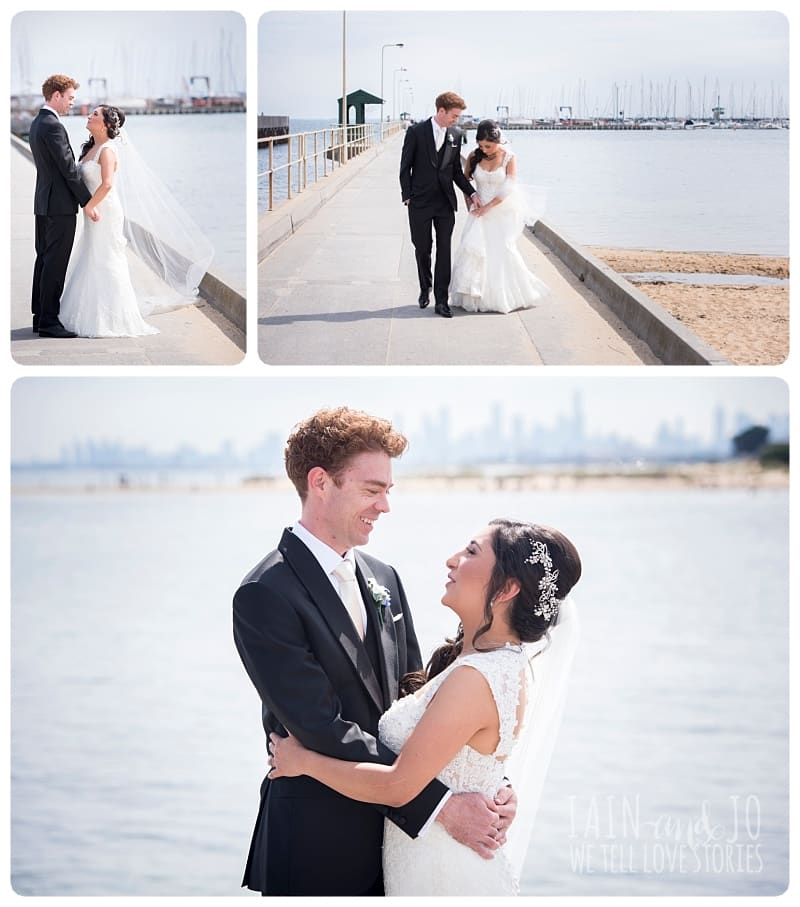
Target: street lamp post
{"points": [[343, 111], [406, 99], [383, 48], [394, 88]]}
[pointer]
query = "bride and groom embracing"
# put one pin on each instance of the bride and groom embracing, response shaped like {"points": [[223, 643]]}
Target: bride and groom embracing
{"points": [[488, 272], [387, 777], [91, 291]]}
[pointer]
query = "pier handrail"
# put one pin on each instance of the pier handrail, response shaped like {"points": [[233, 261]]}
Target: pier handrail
{"points": [[332, 146]]}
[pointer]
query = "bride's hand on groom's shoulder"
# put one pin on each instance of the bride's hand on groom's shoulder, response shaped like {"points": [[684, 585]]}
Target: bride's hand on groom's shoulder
{"points": [[473, 820]]}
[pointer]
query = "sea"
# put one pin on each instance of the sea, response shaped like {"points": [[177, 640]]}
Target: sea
{"points": [[712, 190], [136, 743], [201, 159]]}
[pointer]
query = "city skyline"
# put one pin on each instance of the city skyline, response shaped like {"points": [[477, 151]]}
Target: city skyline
{"points": [[484, 426]]}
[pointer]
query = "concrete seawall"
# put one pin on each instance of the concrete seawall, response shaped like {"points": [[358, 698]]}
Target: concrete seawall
{"points": [[669, 340], [225, 300]]}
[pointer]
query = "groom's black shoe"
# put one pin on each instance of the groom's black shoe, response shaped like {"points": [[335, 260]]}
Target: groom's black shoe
{"points": [[56, 330], [443, 309], [424, 299]]}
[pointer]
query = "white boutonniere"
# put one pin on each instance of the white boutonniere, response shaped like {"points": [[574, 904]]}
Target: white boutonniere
{"points": [[451, 138], [380, 595]]}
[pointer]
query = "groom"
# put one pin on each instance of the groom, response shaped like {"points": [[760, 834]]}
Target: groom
{"points": [[429, 166], [327, 664], [59, 191]]}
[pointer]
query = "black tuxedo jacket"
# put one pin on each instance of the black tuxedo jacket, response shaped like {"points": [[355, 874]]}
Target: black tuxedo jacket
{"points": [[59, 189], [426, 177], [316, 679]]}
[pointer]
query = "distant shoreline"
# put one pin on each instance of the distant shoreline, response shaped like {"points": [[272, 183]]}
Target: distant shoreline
{"points": [[727, 475]]}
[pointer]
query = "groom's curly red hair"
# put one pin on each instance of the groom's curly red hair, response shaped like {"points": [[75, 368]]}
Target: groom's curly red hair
{"points": [[449, 99], [331, 437], [58, 82]]}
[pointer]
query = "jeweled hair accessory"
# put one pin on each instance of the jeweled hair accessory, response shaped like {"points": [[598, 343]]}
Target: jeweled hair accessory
{"points": [[548, 603]]}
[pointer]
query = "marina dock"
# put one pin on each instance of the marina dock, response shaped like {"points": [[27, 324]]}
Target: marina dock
{"points": [[338, 286], [272, 126]]}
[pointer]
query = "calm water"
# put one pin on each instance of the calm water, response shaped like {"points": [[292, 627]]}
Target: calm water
{"points": [[136, 745], [281, 156], [202, 161], [707, 190]]}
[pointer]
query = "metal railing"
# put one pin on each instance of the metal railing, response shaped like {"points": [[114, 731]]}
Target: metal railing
{"points": [[310, 156]]}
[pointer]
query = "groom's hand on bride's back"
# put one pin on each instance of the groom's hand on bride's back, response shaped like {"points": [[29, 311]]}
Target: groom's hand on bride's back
{"points": [[475, 821]]}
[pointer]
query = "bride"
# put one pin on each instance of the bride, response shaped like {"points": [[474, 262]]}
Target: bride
{"points": [[489, 274], [474, 717], [107, 293]]}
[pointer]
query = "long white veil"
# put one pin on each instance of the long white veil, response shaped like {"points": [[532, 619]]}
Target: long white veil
{"points": [[157, 227], [528, 763], [529, 200]]}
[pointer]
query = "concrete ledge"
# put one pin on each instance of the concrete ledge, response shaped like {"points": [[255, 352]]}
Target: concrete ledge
{"points": [[276, 226], [225, 300], [669, 340], [22, 146]]}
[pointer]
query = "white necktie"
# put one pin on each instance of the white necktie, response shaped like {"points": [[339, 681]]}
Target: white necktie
{"points": [[350, 594], [439, 138]]}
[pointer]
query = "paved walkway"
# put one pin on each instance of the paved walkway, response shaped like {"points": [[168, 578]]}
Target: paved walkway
{"points": [[342, 290], [192, 335]]}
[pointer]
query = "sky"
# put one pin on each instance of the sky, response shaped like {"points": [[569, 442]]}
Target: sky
{"points": [[144, 54], [531, 62], [164, 413]]}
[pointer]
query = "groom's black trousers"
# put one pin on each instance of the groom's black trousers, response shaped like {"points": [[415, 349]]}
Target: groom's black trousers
{"points": [[54, 237], [424, 223]]}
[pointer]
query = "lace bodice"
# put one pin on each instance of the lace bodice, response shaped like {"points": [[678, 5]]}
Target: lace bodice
{"points": [[89, 169], [434, 863], [491, 183], [469, 770]]}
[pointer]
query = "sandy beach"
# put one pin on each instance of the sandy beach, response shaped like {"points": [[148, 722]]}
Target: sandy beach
{"points": [[748, 323], [728, 474]]}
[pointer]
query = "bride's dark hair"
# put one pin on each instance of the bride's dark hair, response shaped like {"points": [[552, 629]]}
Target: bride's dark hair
{"points": [[488, 131], [113, 120], [512, 545]]}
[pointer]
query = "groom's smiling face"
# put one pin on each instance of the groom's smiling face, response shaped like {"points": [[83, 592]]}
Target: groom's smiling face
{"points": [[351, 501], [449, 117], [62, 101]]}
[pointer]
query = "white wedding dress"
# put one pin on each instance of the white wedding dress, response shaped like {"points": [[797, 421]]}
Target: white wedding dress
{"points": [[489, 274], [435, 863], [99, 299]]}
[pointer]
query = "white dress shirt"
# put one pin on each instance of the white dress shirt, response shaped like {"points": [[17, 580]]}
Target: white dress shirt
{"points": [[48, 107], [439, 134], [328, 559]]}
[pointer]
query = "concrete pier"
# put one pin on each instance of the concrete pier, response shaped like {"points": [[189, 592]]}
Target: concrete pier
{"points": [[338, 286], [209, 333]]}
